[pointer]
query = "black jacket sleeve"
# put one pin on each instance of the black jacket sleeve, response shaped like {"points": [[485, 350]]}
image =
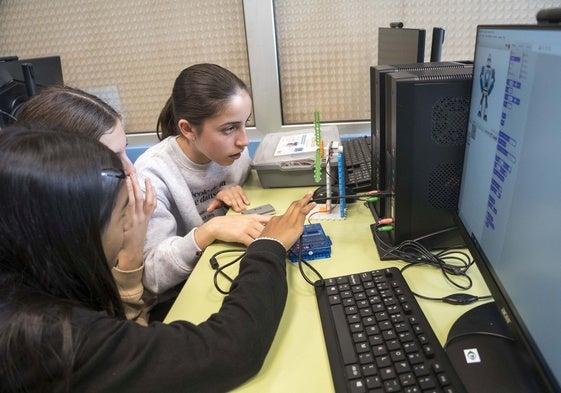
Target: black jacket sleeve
{"points": [[217, 355]]}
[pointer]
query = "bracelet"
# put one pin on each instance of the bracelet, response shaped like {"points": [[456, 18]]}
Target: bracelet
{"points": [[271, 238]]}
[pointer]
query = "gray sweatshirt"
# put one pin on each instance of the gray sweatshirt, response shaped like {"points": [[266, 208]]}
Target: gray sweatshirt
{"points": [[184, 190]]}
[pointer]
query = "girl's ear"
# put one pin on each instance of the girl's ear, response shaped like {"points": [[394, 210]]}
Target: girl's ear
{"points": [[186, 130]]}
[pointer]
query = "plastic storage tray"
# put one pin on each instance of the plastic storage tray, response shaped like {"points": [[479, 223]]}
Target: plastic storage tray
{"points": [[279, 163]]}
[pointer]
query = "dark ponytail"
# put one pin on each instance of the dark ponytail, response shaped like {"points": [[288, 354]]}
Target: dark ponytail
{"points": [[200, 92], [166, 121]]}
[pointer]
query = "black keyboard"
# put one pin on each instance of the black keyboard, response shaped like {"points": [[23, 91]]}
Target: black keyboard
{"points": [[378, 339], [358, 163]]}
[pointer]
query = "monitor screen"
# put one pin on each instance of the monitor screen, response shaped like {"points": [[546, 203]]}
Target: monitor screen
{"points": [[400, 45], [510, 196], [46, 70], [14, 89]]}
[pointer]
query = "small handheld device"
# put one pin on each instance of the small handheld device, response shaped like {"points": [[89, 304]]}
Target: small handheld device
{"points": [[263, 209]]}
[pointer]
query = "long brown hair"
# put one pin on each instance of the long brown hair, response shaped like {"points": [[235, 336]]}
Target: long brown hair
{"points": [[68, 109]]}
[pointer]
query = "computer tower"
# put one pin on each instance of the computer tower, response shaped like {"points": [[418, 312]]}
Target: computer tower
{"points": [[426, 125], [378, 76]]}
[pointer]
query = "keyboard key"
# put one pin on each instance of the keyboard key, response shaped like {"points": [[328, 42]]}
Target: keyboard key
{"points": [[358, 386]]}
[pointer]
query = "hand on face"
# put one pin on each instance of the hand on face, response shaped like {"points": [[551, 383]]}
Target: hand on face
{"points": [[140, 209]]}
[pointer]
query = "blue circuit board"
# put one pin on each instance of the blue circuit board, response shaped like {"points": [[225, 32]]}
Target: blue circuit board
{"points": [[315, 244]]}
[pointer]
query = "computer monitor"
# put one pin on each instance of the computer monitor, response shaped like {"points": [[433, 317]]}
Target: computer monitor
{"points": [[47, 70], [19, 79], [398, 45], [509, 207]]}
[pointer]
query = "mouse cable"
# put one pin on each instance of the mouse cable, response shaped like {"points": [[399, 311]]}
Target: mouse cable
{"points": [[456, 277], [219, 270], [456, 299]]}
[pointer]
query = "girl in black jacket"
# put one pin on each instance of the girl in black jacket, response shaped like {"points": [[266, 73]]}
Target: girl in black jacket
{"points": [[62, 327]]}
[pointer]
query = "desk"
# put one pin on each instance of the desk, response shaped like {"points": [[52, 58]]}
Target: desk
{"points": [[297, 360]]}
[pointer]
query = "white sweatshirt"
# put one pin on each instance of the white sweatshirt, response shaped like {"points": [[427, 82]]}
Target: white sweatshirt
{"points": [[184, 190]]}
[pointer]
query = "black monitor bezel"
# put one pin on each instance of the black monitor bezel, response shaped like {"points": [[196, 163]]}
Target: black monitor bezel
{"points": [[509, 314]]}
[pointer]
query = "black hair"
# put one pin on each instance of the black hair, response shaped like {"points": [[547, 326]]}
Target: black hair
{"points": [[200, 92], [55, 204]]}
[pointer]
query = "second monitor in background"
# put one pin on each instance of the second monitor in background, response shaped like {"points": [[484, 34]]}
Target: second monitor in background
{"points": [[20, 79]]}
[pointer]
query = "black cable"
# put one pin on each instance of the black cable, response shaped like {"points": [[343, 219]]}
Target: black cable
{"points": [[317, 283], [219, 270], [414, 254], [395, 250], [404, 251], [460, 299], [440, 232], [412, 251], [358, 197], [451, 272], [12, 117], [301, 261], [457, 299]]}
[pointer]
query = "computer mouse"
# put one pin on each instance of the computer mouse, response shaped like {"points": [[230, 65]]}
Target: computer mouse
{"points": [[321, 192]]}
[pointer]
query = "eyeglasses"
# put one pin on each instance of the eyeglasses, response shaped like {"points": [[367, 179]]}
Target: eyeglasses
{"points": [[113, 172]]}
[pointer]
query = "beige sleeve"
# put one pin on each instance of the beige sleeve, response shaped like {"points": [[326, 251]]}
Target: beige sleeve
{"points": [[136, 301]]}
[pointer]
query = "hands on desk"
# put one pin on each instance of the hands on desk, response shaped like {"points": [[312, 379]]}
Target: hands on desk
{"points": [[238, 228], [244, 228], [233, 197], [288, 227]]}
